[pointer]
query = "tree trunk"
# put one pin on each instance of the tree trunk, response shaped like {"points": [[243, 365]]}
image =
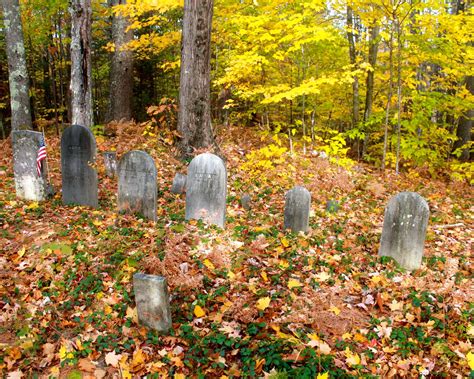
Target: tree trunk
{"points": [[194, 115], [389, 99], [464, 128], [353, 59], [121, 74], [18, 74], [81, 68]]}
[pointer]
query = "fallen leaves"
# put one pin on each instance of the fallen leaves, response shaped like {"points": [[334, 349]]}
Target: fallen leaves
{"points": [[263, 303]]}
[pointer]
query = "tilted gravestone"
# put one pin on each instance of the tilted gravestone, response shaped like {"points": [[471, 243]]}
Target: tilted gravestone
{"points": [[179, 184], [79, 178], [110, 162], [404, 229], [206, 189], [29, 184], [137, 184], [152, 299], [297, 207]]}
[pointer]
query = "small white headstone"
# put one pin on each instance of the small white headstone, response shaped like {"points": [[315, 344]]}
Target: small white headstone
{"points": [[297, 207]]}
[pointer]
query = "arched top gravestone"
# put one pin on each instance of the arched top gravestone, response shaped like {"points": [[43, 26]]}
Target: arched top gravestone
{"points": [[404, 229], [79, 178], [137, 184], [28, 184], [206, 189], [297, 207]]}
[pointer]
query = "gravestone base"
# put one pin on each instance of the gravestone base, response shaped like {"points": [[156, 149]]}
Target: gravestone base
{"points": [[152, 299]]}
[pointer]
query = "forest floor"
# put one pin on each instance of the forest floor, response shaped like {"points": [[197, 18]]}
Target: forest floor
{"points": [[248, 301]]}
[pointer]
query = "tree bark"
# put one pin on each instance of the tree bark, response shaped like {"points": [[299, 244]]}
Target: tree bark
{"points": [[121, 74], [17, 71], [464, 129], [353, 59], [194, 115], [81, 68]]}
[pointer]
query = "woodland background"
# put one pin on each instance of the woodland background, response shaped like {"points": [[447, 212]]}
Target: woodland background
{"points": [[389, 82]]}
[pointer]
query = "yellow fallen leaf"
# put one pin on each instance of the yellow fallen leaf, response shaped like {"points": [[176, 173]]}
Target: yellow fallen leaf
{"points": [[285, 242], [470, 330], [264, 276], [263, 303], [209, 264], [376, 279], [323, 376], [198, 311], [231, 275], [34, 205], [396, 306], [346, 336], [335, 310], [351, 358], [470, 359], [283, 264], [133, 314], [138, 358], [21, 252], [292, 283], [179, 376], [64, 353], [97, 222]]}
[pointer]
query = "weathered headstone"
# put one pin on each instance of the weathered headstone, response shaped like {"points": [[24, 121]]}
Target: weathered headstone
{"points": [[404, 229], [297, 207], [206, 189], [137, 184], [110, 163], [245, 201], [29, 184], [179, 184], [79, 178], [152, 299], [332, 206]]}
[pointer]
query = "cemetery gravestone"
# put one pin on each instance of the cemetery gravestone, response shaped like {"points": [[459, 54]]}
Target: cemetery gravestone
{"points": [[245, 200], [29, 184], [152, 299], [332, 206], [404, 229], [79, 178], [179, 184], [110, 162], [297, 207], [137, 184], [206, 189]]}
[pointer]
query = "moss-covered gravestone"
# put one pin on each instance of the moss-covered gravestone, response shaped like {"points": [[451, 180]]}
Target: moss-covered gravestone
{"points": [[297, 207], [404, 229], [79, 176], [137, 184], [206, 189]]}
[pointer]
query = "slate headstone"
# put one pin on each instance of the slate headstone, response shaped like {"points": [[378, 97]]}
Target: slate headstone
{"points": [[245, 201], [137, 184], [179, 184], [28, 184], [297, 207], [110, 162], [404, 229], [152, 299], [206, 189], [79, 177]]}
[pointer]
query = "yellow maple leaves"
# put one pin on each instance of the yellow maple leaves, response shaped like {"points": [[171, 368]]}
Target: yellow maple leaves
{"points": [[263, 303]]}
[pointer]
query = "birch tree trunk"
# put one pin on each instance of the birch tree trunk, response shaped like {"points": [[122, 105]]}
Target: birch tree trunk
{"points": [[81, 68], [194, 115], [17, 71], [121, 74]]}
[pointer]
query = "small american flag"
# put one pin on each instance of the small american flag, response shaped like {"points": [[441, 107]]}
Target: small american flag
{"points": [[40, 157]]}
